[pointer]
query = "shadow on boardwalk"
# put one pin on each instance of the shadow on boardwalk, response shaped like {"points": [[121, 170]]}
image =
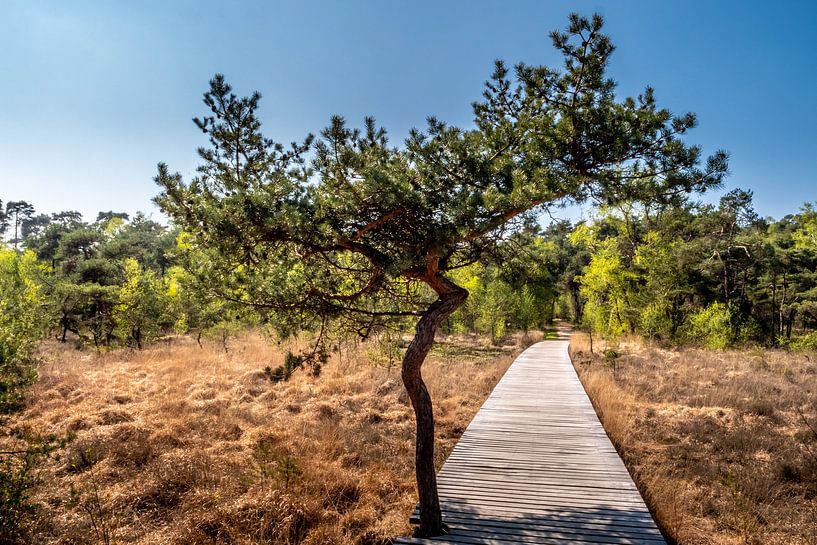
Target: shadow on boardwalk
{"points": [[602, 525]]}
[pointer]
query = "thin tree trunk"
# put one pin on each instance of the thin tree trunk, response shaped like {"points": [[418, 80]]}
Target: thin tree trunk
{"points": [[789, 321], [774, 310], [577, 305], [783, 301], [450, 298]]}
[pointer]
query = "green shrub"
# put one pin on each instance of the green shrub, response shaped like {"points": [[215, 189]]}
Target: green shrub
{"points": [[655, 322], [804, 343], [749, 331], [22, 324], [611, 353], [711, 326]]}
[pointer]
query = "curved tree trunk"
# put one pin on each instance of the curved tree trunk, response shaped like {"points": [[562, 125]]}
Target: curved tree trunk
{"points": [[451, 297]]}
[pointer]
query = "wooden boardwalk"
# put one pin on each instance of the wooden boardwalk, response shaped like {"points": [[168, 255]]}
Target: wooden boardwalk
{"points": [[536, 467]]}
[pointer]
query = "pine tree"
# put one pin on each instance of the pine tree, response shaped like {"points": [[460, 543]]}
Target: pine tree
{"points": [[365, 232], [18, 212]]}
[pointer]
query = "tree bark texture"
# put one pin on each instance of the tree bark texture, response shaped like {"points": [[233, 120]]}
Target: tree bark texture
{"points": [[451, 297]]}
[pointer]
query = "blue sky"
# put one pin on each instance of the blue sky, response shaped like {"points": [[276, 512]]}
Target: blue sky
{"points": [[94, 94]]}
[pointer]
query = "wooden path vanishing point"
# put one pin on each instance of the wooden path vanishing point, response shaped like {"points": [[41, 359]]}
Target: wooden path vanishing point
{"points": [[536, 467]]}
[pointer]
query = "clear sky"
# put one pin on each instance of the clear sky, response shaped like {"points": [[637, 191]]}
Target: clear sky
{"points": [[94, 94]]}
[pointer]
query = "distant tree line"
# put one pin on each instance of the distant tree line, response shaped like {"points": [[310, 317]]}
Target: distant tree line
{"points": [[122, 281], [116, 281], [715, 275]]}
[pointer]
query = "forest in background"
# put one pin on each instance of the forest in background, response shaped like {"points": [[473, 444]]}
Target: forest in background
{"points": [[715, 276]]}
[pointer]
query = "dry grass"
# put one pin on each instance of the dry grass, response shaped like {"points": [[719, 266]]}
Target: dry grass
{"points": [[181, 445], [723, 445]]}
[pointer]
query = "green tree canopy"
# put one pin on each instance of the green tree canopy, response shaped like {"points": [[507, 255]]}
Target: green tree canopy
{"points": [[347, 226], [17, 214]]}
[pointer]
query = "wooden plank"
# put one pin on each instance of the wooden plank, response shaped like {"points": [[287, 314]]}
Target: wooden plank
{"points": [[635, 526], [534, 525], [549, 535], [535, 466], [500, 508]]}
